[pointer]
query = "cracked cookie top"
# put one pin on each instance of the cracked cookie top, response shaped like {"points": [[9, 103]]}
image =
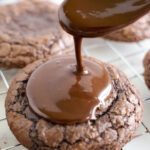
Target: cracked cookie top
{"points": [[114, 126]]}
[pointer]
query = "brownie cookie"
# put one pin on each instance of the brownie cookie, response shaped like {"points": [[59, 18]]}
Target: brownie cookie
{"points": [[30, 30], [146, 63], [114, 126], [137, 31]]}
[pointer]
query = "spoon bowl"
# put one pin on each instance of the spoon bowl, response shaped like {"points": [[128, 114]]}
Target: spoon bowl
{"points": [[88, 18]]}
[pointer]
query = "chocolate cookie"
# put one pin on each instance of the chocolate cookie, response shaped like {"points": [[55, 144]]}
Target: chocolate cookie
{"points": [[114, 126], [29, 30], [146, 63], [137, 31]]}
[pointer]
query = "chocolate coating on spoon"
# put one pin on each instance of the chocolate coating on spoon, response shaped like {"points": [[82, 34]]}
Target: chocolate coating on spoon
{"points": [[58, 93], [91, 18]]}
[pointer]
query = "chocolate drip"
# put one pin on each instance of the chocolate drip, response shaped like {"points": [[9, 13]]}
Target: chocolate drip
{"points": [[67, 93], [77, 44]]}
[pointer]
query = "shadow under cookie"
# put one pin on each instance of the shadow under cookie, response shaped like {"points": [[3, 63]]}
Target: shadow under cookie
{"points": [[29, 30], [114, 126], [137, 31], [146, 63]]}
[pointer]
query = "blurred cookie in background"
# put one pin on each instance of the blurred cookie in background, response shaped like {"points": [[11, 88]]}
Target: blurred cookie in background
{"points": [[29, 30], [137, 31]]}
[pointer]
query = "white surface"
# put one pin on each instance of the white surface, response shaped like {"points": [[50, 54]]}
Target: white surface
{"points": [[6, 137], [2, 106], [5, 2], [57, 1], [146, 118], [139, 143], [126, 56]]}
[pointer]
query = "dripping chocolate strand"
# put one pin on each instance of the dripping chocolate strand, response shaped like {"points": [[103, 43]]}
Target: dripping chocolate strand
{"points": [[77, 44]]}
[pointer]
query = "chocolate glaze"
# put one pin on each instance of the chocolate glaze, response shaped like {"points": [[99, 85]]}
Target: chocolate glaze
{"points": [[57, 93], [65, 93]]}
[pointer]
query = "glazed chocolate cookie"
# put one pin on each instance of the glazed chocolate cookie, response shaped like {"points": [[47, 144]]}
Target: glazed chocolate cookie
{"points": [[137, 31], [30, 30], [146, 63], [114, 126]]}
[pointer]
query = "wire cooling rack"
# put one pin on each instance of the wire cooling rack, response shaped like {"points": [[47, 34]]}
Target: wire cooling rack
{"points": [[127, 57]]}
